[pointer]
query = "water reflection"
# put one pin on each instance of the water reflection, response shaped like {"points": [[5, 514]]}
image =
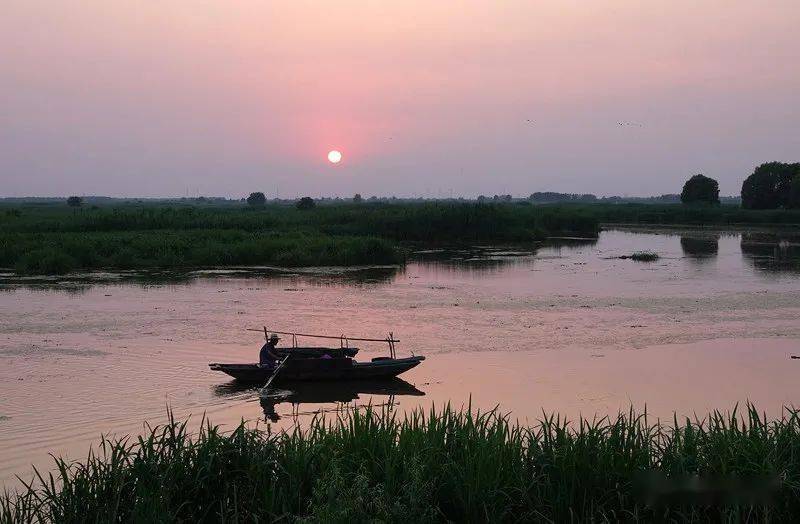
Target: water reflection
{"points": [[571, 242], [357, 276], [475, 259], [700, 248], [78, 283], [772, 251], [316, 395]]}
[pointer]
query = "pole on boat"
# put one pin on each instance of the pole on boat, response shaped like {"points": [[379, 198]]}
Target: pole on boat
{"points": [[275, 373], [350, 339], [390, 340]]}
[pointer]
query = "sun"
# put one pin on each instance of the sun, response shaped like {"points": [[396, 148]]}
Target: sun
{"points": [[334, 157]]}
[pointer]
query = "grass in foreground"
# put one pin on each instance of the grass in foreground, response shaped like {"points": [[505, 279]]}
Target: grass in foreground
{"points": [[436, 467]]}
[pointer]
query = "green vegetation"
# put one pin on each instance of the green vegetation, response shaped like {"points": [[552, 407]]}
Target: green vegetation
{"points": [[256, 199], [56, 239], [643, 256], [306, 203], [772, 185], [53, 239], [700, 189], [443, 466], [59, 253], [74, 201], [676, 214]]}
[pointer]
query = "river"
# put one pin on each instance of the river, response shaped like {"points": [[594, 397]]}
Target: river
{"points": [[566, 327]]}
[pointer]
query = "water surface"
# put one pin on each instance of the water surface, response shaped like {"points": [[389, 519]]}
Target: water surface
{"points": [[565, 327]]}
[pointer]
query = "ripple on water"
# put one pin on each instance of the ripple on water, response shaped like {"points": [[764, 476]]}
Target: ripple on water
{"points": [[528, 333], [44, 351]]}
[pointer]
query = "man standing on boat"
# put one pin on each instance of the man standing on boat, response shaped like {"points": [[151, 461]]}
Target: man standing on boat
{"points": [[268, 356]]}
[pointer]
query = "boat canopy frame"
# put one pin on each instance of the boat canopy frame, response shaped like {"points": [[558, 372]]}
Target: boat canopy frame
{"points": [[344, 340]]}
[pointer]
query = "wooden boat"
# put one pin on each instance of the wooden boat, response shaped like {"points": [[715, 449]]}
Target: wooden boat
{"points": [[322, 369], [321, 364]]}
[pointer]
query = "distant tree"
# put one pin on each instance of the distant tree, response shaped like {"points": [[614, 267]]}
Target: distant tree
{"points": [[482, 198], [769, 187], [794, 192], [306, 203], [257, 199], [700, 189], [74, 201], [549, 197], [357, 198]]}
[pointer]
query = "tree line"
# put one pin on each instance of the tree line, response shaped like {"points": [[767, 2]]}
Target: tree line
{"points": [[773, 185]]}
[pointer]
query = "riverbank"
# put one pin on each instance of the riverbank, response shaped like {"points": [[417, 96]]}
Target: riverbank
{"points": [[678, 215], [60, 253], [436, 466], [54, 239]]}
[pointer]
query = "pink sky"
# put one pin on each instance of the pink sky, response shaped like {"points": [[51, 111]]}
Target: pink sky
{"points": [[423, 98]]}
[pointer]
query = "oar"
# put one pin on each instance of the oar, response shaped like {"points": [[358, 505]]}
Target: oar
{"points": [[275, 373]]}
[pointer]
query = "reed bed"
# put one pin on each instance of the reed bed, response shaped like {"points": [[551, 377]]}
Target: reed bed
{"points": [[55, 240], [403, 221], [678, 214], [437, 466], [59, 253], [644, 256]]}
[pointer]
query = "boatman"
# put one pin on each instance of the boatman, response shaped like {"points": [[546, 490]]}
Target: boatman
{"points": [[268, 356]]}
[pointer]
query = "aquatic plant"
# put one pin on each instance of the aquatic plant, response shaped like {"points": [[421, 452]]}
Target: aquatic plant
{"points": [[58, 253], [443, 465], [677, 214], [48, 240], [643, 256], [405, 221], [172, 236]]}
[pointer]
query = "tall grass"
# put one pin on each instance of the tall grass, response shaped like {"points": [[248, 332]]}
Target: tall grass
{"points": [[678, 214], [416, 222], [58, 253], [643, 256], [55, 240], [440, 466]]}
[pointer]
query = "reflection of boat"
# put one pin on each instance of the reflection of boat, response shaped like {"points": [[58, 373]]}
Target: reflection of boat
{"points": [[297, 393], [345, 391], [321, 392], [319, 364]]}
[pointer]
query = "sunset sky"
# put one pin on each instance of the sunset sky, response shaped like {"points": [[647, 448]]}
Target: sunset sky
{"points": [[125, 98]]}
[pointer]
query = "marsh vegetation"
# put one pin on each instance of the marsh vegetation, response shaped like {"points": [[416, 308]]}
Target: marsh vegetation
{"points": [[643, 256], [56, 239], [437, 466]]}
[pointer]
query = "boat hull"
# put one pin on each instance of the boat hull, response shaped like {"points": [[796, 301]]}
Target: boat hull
{"points": [[319, 369]]}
